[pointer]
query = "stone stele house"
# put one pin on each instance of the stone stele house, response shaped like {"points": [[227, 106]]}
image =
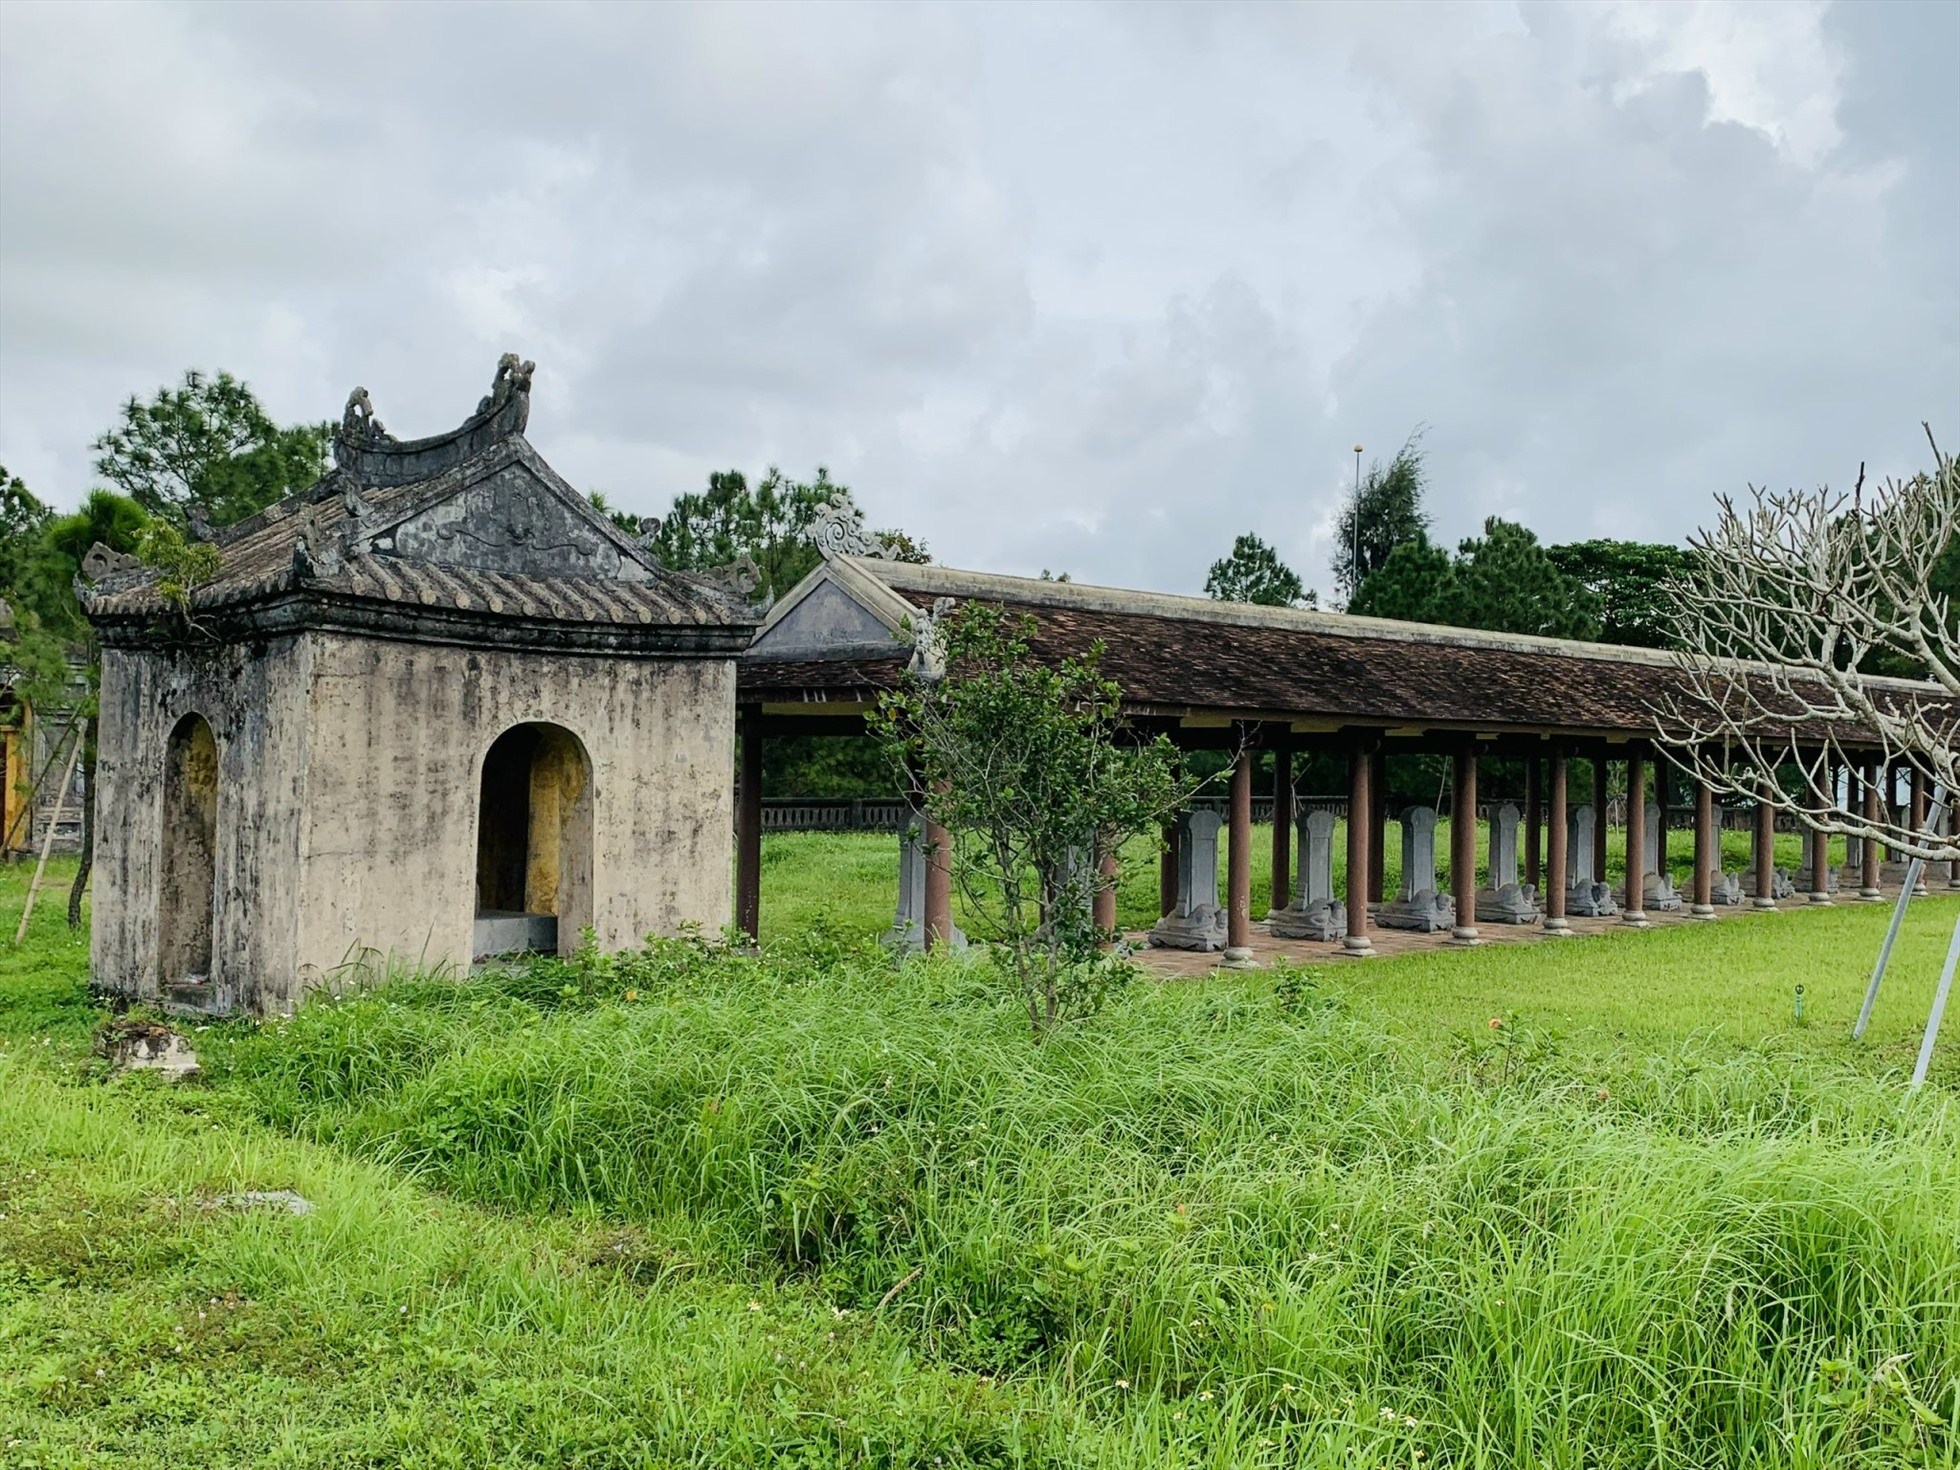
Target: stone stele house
{"points": [[434, 708]]}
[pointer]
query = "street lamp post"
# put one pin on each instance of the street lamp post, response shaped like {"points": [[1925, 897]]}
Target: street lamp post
{"points": [[1354, 566]]}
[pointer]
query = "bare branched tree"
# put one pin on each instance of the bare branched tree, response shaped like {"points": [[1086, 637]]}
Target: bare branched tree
{"points": [[1791, 600]]}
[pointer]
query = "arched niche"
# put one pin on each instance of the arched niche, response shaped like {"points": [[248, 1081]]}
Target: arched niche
{"points": [[188, 871], [533, 843]]}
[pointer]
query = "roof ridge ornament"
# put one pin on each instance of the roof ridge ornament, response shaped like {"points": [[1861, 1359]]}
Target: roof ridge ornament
{"points": [[372, 457], [928, 629], [839, 530]]}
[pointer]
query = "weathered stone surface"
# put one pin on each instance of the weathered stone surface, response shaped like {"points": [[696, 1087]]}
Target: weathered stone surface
{"points": [[1505, 900], [1198, 922], [1584, 897], [289, 1200], [1314, 912], [147, 1046], [1781, 884], [1418, 905], [1657, 890]]}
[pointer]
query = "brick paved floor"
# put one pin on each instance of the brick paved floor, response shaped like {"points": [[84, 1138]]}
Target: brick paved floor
{"points": [[1265, 948]]}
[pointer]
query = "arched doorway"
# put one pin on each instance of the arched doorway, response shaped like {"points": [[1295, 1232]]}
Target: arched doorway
{"points": [[533, 843], [187, 878]]}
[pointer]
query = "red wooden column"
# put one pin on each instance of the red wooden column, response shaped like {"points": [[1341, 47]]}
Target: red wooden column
{"points": [[1238, 866], [1868, 889], [1377, 826], [1633, 907], [1360, 824], [939, 885], [1820, 842], [1556, 924], [1167, 871], [1282, 819], [748, 827], [1463, 846], [1707, 852], [1599, 818], [1534, 820], [1765, 849]]}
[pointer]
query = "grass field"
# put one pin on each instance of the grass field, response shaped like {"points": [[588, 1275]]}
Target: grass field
{"points": [[850, 880], [814, 1209]]}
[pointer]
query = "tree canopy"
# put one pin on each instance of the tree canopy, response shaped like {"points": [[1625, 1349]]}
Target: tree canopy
{"points": [[208, 447], [22, 515], [769, 523], [1254, 573], [1629, 580], [1388, 510], [1503, 581]]}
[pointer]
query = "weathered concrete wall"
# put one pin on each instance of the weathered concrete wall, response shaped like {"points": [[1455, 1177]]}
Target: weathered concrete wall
{"points": [[348, 786], [256, 706], [398, 736]]}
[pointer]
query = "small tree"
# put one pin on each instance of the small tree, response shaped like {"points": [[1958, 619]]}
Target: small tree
{"points": [[1790, 600], [1025, 764], [1254, 573], [1388, 511]]}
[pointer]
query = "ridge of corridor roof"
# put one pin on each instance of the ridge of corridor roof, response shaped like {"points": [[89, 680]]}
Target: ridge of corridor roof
{"points": [[838, 638]]}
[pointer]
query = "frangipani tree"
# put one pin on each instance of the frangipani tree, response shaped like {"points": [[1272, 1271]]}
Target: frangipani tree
{"points": [[1790, 601]]}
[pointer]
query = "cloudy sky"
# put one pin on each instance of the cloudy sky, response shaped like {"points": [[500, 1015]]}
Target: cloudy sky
{"points": [[1086, 287]]}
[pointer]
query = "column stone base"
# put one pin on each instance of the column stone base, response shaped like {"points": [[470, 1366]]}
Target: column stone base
{"points": [[1465, 935], [1823, 898], [1703, 911], [1236, 957], [1635, 919], [1870, 895], [1558, 927], [1356, 946], [1763, 905]]}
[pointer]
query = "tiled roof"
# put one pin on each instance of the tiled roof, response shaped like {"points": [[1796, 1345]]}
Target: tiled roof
{"points": [[1179, 655], [467, 530]]}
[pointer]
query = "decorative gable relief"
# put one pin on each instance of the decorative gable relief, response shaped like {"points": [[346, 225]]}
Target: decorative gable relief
{"points": [[828, 621], [510, 522]]}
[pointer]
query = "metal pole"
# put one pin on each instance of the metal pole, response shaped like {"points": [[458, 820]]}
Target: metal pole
{"points": [[1939, 1009], [1892, 931], [1354, 566]]}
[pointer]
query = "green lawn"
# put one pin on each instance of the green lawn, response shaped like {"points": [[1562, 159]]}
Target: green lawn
{"points": [[850, 880], [815, 1209]]}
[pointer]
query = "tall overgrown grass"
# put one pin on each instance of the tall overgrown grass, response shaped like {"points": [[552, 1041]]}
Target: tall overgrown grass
{"points": [[1238, 1199]]}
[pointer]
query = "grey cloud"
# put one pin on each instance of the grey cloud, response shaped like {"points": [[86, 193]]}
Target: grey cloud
{"points": [[1091, 288]]}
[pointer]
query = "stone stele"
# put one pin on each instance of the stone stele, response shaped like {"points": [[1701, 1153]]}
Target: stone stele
{"points": [[1198, 922], [1418, 905], [1584, 898], [1314, 912], [1506, 901]]}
